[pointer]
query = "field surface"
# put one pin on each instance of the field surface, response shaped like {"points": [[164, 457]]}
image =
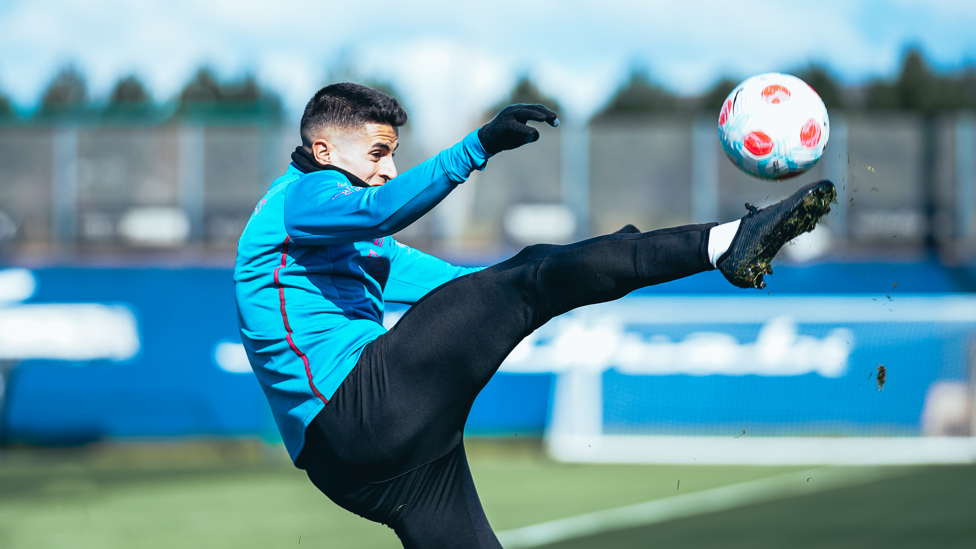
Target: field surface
{"points": [[244, 495]]}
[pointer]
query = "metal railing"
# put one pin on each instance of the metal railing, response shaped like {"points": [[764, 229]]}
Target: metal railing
{"points": [[905, 181]]}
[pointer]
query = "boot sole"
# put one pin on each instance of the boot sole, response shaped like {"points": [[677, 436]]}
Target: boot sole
{"points": [[814, 205]]}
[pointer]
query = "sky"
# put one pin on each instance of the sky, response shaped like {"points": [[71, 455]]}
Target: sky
{"points": [[450, 60]]}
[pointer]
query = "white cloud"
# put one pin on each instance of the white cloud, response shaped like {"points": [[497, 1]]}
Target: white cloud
{"points": [[447, 84], [450, 62], [579, 90]]}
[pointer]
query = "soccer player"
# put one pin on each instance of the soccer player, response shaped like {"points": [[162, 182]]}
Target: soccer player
{"points": [[376, 417]]}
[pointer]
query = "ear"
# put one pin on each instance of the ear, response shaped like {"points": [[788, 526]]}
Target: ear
{"points": [[321, 151]]}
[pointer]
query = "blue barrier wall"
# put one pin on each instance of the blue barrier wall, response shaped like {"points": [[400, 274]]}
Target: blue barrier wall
{"points": [[174, 387]]}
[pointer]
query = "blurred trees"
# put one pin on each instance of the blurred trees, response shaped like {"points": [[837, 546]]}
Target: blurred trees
{"points": [[524, 91], [914, 88], [205, 96], [713, 98], [128, 91], [917, 88], [129, 99], [66, 95], [823, 82], [639, 96], [6, 109]]}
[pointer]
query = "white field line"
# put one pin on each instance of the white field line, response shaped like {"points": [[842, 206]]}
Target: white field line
{"points": [[802, 451], [696, 503]]}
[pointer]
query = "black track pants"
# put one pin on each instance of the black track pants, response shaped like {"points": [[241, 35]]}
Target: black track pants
{"points": [[388, 447]]}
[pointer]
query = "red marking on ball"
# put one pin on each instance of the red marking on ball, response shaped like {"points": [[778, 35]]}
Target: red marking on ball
{"points": [[810, 134], [722, 118], [758, 143], [775, 94]]}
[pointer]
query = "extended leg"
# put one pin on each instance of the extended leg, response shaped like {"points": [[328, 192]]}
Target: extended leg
{"points": [[403, 408], [408, 398]]}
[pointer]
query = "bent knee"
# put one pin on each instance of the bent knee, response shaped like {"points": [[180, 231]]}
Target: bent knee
{"points": [[537, 251]]}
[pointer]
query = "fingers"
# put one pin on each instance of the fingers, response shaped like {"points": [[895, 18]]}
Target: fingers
{"points": [[509, 129], [539, 113]]}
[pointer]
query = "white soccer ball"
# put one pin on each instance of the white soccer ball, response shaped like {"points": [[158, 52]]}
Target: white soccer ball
{"points": [[773, 126]]}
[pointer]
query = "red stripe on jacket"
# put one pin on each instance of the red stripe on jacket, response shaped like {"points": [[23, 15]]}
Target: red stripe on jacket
{"points": [[284, 318]]}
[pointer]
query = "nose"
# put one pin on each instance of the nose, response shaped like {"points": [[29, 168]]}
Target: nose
{"points": [[387, 169]]}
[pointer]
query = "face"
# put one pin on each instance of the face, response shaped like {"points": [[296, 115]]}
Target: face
{"points": [[367, 154]]}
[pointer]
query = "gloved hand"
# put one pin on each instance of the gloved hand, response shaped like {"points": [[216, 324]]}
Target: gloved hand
{"points": [[508, 130]]}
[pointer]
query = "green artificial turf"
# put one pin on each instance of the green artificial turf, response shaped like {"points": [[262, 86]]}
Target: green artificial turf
{"points": [[247, 496], [928, 507]]}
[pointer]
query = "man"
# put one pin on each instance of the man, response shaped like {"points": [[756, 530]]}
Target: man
{"points": [[374, 417]]}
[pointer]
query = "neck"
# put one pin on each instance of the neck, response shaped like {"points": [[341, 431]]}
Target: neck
{"points": [[306, 162]]}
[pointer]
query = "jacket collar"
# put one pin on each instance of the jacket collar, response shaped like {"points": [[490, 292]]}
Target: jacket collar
{"points": [[306, 163]]}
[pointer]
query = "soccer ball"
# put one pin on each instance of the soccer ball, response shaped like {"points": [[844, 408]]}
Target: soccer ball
{"points": [[773, 126]]}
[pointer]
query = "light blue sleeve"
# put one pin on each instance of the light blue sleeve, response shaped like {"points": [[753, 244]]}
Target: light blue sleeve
{"points": [[413, 274], [325, 208]]}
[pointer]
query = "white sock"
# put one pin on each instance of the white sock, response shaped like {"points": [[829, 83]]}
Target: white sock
{"points": [[719, 239]]}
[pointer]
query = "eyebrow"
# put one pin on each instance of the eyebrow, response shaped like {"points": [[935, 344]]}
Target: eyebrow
{"points": [[385, 146]]}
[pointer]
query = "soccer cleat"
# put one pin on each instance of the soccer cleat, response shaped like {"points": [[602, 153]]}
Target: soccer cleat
{"points": [[762, 232]]}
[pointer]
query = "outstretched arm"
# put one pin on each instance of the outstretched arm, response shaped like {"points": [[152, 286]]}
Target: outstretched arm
{"points": [[325, 208]]}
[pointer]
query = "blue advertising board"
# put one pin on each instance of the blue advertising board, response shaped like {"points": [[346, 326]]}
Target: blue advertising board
{"points": [[116, 353]]}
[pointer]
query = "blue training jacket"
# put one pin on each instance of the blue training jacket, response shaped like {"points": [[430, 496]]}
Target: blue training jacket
{"points": [[315, 265]]}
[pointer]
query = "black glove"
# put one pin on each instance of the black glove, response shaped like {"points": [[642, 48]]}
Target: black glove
{"points": [[508, 130]]}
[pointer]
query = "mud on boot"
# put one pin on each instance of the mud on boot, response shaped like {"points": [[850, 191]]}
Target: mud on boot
{"points": [[762, 232]]}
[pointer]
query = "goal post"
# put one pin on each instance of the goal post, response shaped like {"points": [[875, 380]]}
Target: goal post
{"points": [[805, 379]]}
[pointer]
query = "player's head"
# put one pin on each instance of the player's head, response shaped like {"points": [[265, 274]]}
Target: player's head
{"points": [[354, 128]]}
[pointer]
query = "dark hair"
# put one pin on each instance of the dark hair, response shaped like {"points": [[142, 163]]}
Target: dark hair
{"points": [[349, 106]]}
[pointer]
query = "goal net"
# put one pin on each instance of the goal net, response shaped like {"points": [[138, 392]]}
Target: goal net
{"points": [[814, 379]]}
